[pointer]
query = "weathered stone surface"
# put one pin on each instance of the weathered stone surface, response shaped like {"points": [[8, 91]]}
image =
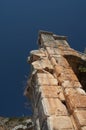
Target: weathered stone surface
{"points": [[36, 55], [76, 101], [72, 52], [61, 61], [80, 117], [53, 61], [51, 106], [70, 84], [16, 123], [58, 84], [67, 76], [43, 63], [46, 37], [73, 122], [56, 89], [49, 91], [46, 79], [74, 91], [83, 128], [41, 52], [62, 44], [37, 124], [50, 44], [58, 123], [45, 75], [53, 51], [58, 70]]}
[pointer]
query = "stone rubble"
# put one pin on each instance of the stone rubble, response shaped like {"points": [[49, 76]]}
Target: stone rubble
{"points": [[16, 123], [55, 87]]}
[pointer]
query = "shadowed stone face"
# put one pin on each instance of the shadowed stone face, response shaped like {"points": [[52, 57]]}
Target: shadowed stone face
{"points": [[79, 67]]}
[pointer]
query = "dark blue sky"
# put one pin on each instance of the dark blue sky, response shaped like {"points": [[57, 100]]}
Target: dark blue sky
{"points": [[20, 21]]}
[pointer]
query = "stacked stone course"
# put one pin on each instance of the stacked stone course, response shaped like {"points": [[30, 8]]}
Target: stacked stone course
{"points": [[57, 95]]}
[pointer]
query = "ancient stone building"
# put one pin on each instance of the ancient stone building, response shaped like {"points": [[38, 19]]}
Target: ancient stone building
{"points": [[57, 84]]}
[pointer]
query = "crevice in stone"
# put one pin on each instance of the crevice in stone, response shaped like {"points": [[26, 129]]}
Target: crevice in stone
{"points": [[64, 102], [51, 71]]}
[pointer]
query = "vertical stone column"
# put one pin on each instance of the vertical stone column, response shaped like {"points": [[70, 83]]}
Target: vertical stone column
{"points": [[58, 100]]}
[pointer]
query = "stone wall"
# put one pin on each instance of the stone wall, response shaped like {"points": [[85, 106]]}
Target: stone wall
{"points": [[55, 87]]}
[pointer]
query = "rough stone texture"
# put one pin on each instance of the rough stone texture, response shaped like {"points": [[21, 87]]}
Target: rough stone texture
{"points": [[16, 123], [57, 84], [46, 79], [58, 123], [76, 101], [80, 116], [52, 106], [83, 128]]}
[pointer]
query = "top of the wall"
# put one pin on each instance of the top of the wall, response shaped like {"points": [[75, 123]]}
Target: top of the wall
{"points": [[45, 36]]}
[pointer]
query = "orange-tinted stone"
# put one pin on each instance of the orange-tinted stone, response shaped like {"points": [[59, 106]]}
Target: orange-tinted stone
{"points": [[80, 117], [83, 128], [58, 123], [76, 101], [51, 106], [70, 84], [49, 91], [42, 63], [46, 79]]}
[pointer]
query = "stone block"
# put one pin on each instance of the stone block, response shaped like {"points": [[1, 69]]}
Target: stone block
{"points": [[72, 76], [71, 52], [80, 117], [58, 70], [36, 55], [46, 79], [62, 43], [69, 71], [45, 91], [68, 76], [58, 123], [53, 51], [41, 53], [50, 44], [70, 84], [51, 106], [45, 75], [42, 63], [49, 91], [62, 61], [73, 91], [46, 37], [42, 81], [76, 101], [56, 43], [83, 128]]}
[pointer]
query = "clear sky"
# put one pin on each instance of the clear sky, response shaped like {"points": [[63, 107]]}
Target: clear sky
{"points": [[20, 21]]}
